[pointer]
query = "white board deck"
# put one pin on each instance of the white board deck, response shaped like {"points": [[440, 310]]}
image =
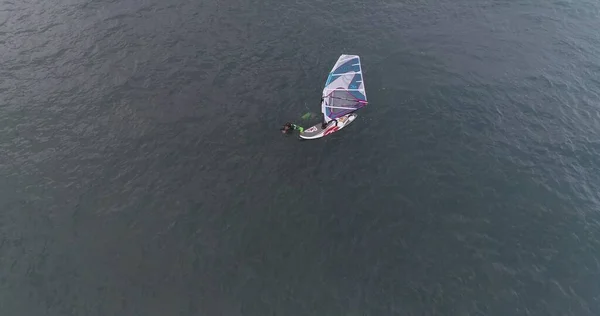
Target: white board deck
{"points": [[317, 131]]}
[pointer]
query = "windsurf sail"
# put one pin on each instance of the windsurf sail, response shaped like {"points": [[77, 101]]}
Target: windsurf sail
{"points": [[344, 90]]}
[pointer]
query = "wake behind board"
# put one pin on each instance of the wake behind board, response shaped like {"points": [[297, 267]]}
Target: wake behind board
{"points": [[317, 131]]}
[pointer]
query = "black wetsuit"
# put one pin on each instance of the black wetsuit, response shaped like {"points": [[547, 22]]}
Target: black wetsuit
{"points": [[292, 127], [324, 125]]}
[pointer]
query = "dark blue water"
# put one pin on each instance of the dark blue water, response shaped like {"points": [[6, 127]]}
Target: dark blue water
{"points": [[142, 171]]}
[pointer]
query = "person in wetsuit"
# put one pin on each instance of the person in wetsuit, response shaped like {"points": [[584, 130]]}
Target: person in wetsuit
{"points": [[324, 124], [289, 127]]}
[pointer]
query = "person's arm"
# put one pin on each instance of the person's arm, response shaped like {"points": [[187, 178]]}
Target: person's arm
{"points": [[298, 127]]}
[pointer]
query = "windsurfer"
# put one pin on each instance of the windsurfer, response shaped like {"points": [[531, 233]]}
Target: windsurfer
{"points": [[325, 124], [289, 127]]}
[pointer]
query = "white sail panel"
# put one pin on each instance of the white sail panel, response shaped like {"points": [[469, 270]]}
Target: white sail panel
{"points": [[344, 90]]}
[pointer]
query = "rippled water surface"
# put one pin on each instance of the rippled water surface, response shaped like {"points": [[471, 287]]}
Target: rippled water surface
{"points": [[142, 171]]}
